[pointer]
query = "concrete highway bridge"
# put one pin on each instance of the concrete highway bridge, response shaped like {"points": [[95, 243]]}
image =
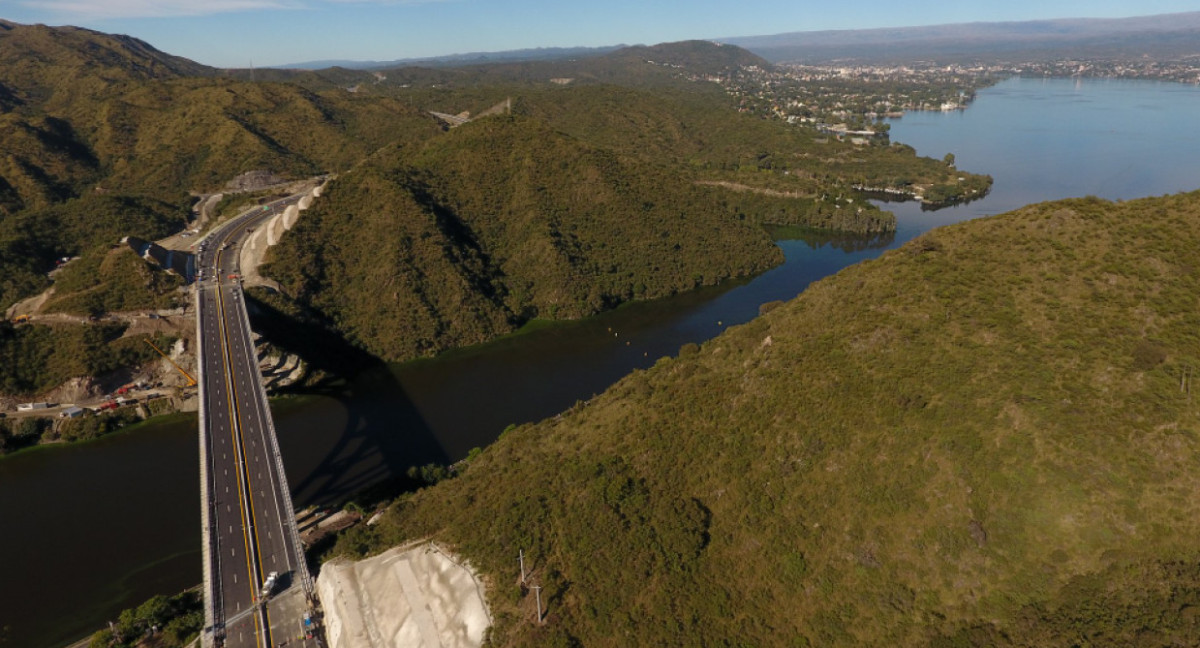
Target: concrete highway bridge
{"points": [[248, 519]]}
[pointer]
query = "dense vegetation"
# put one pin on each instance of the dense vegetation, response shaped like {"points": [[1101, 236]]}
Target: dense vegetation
{"points": [[105, 136], [16, 434], [115, 280], [438, 248], [581, 199], [91, 225], [161, 622], [986, 437], [634, 180], [35, 358]]}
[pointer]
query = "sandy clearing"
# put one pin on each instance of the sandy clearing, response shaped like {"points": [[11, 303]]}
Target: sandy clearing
{"points": [[419, 597]]}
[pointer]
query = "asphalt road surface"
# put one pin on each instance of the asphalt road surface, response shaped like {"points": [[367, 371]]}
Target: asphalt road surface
{"points": [[251, 527]]}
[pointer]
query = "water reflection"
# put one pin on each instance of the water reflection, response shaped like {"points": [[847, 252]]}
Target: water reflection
{"points": [[844, 241]]}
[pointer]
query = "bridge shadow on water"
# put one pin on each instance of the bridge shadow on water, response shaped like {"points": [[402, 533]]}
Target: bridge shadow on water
{"points": [[353, 435]]}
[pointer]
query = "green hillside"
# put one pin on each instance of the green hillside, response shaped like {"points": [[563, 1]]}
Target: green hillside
{"points": [[984, 438], [498, 222], [36, 358], [91, 121], [45, 67], [115, 280], [582, 199], [658, 66], [635, 180]]}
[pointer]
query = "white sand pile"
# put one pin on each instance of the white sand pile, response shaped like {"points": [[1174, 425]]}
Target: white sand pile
{"points": [[418, 597]]}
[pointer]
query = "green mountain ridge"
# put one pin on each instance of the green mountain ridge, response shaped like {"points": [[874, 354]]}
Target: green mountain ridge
{"points": [[984, 438], [89, 116], [499, 222], [657, 66], [106, 137], [562, 203], [53, 66]]}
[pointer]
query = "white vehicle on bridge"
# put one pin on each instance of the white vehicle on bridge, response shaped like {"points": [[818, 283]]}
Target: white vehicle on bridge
{"points": [[269, 584]]}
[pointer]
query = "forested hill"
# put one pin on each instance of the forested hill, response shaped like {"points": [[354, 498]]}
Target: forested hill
{"points": [[697, 57], [658, 66], [44, 66], [105, 136], [583, 198], [501, 221], [580, 200], [95, 126], [984, 438]]}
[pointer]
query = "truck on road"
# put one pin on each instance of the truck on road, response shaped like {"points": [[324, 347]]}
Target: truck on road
{"points": [[269, 585]]}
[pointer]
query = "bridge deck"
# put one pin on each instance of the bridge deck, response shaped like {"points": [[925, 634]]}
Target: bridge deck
{"points": [[248, 522]]}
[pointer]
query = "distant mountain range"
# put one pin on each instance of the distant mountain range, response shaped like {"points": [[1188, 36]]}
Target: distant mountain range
{"points": [[1162, 35], [1165, 36], [471, 58]]}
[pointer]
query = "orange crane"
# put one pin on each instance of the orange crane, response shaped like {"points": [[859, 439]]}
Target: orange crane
{"points": [[191, 381]]}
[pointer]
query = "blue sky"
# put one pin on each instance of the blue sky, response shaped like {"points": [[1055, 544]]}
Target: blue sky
{"points": [[236, 33]]}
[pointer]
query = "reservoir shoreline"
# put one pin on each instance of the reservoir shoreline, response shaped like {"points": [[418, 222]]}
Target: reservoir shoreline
{"points": [[1040, 140]]}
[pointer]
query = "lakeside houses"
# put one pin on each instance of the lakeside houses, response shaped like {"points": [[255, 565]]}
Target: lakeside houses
{"points": [[853, 100]]}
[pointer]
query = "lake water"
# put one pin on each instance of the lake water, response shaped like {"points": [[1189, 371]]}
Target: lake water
{"points": [[86, 531]]}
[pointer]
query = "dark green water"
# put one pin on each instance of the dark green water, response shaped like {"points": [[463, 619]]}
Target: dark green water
{"points": [[86, 531]]}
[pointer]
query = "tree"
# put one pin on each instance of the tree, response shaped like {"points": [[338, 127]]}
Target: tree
{"points": [[949, 159]]}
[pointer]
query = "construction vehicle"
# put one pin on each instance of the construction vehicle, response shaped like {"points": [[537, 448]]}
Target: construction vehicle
{"points": [[191, 381], [21, 319]]}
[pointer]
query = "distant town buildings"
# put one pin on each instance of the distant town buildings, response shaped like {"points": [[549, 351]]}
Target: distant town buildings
{"points": [[853, 100]]}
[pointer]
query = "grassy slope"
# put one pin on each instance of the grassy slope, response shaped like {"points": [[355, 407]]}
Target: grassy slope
{"points": [[36, 358], [471, 234], [199, 133], [91, 115], [584, 198], [978, 439], [113, 280]]}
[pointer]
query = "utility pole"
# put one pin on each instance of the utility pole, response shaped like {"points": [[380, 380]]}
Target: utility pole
{"points": [[521, 556], [538, 590]]}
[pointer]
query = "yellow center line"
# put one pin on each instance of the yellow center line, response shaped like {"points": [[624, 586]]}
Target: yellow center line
{"points": [[263, 622], [243, 477]]}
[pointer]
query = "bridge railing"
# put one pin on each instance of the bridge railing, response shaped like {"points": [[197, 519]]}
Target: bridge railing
{"points": [[284, 495], [213, 614]]}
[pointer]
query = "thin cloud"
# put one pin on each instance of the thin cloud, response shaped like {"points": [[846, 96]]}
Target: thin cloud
{"points": [[151, 8]]}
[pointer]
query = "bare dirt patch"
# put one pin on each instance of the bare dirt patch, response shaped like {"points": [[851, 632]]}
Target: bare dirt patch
{"points": [[418, 597]]}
